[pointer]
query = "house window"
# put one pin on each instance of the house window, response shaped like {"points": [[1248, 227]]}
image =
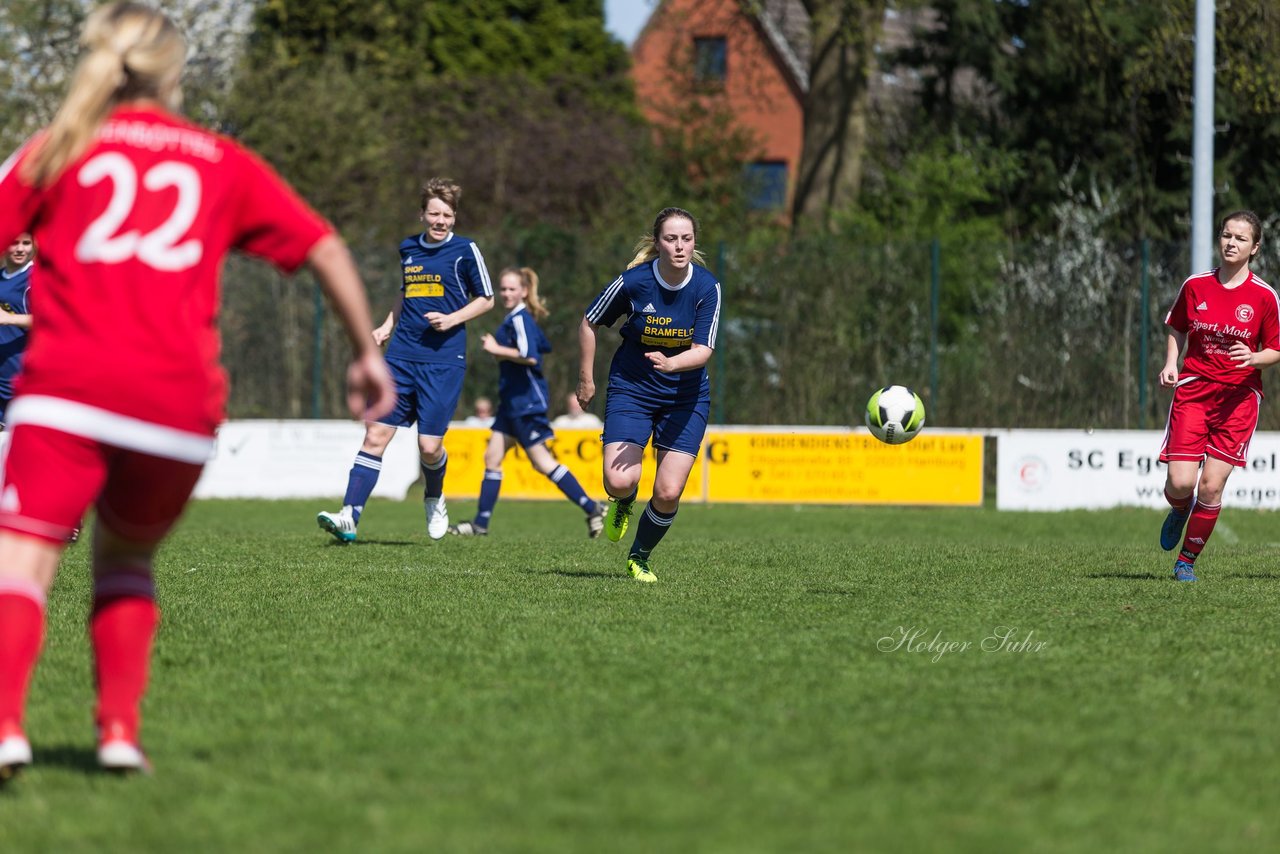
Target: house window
{"points": [[766, 185], [709, 61]]}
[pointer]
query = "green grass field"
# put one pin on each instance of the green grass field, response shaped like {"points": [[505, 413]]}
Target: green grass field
{"points": [[519, 693]]}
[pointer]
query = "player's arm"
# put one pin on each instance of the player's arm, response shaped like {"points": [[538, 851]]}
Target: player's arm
{"points": [[441, 322], [383, 332], [1246, 358], [692, 359], [22, 321], [370, 392], [706, 324], [1173, 351], [587, 332], [504, 354]]}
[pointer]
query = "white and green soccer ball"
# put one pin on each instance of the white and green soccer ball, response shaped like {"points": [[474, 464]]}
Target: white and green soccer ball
{"points": [[895, 414]]}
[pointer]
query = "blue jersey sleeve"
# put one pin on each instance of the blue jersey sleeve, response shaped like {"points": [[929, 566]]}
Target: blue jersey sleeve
{"points": [[707, 319], [474, 272], [612, 303]]}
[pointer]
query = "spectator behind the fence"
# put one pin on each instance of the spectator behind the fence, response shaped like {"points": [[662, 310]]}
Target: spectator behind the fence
{"points": [[519, 345], [575, 417], [1229, 324], [445, 283], [481, 414], [658, 386], [120, 394]]}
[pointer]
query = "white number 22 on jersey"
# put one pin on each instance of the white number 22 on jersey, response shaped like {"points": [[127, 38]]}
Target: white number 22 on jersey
{"points": [[103, 242]]}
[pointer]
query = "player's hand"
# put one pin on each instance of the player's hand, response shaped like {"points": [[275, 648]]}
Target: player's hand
{"points": [[586, 391], [370, 392], [660, 361], [489, 343], [381, 334], [439, 322], [1241, 353], [1169, 376]]}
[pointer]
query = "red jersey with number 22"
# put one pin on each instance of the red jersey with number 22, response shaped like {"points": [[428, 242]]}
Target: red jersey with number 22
{"points": [[1214, 317], [131, 239]]}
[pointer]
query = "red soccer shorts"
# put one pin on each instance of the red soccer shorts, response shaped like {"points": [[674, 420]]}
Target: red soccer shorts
{"points": [[51, 478], [1210, 419]]}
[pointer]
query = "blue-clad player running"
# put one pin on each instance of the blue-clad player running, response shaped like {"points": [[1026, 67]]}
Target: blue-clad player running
{"points": [[519, 345], [658, 386], [445, 284], [15, 317]]}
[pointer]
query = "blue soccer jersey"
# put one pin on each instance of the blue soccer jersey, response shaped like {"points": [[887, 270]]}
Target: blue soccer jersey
{"points": [[441, 277], [659, 316], [522, 389], [14, 288]]}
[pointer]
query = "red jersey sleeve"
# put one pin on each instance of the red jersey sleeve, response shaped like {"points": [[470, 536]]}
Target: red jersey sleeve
{"points": [[273, 221], [1176, 319], [1269, 328], [19, 203]]}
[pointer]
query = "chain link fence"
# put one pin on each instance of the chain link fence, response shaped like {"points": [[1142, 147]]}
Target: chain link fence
{"points": [[1050, 334]]}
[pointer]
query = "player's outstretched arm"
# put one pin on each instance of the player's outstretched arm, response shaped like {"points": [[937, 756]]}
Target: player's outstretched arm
{"points": [[586, 362], [370, 393]]}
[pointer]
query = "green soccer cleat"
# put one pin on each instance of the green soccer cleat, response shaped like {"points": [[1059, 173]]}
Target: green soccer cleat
{"points": [[639, 569], [617, 519]]}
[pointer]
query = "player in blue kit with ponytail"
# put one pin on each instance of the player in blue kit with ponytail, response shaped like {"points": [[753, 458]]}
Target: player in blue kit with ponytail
{"points": [[445, 284], [15, 317], [519, 345], [658, 386]]}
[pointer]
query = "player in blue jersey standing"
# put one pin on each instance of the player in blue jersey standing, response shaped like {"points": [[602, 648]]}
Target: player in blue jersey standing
{"points": [[15, 318], [658, 386], [445, 284], [521, 419]]}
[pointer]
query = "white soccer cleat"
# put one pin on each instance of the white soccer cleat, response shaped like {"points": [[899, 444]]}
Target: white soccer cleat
{"points": [[123, 756], [341, 525], [437, 517], [118, 750], [15, 752]]}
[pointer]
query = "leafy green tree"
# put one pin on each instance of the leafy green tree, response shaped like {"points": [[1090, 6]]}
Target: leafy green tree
{"points": [[836, 106], [404, 39], [39, 49], [1104, 88]]}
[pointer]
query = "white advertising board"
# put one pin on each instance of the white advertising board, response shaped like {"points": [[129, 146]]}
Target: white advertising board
{"points": [[300, 459], [1083, 469]]}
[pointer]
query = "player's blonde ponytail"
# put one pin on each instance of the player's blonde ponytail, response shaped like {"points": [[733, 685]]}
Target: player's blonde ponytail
{"points": [[647, 247], [134, 52]]}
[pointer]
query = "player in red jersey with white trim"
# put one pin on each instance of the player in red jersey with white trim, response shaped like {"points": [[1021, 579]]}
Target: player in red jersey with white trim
{"points": [[134, 209], [1228, 321]]}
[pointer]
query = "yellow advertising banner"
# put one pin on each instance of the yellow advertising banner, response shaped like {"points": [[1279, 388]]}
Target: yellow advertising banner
{"points": [[755, 465], [841, 467]]}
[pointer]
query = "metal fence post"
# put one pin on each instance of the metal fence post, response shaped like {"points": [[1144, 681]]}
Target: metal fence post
{"points": [[935, 287], [1143, 343], [718, 418], [317, 351]]}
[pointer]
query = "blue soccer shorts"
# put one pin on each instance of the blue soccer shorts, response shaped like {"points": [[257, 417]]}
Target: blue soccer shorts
{"points": [[674, 426], [529, 430], [426, 392]]}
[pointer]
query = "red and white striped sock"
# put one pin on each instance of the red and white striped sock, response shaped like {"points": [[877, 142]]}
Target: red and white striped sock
{"points": [[122, 626], [1199, 527], [1182, 505]]}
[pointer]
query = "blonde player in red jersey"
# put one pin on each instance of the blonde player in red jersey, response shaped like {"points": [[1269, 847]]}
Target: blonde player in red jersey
{"points": [[1228, 321], [134, 209]]}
